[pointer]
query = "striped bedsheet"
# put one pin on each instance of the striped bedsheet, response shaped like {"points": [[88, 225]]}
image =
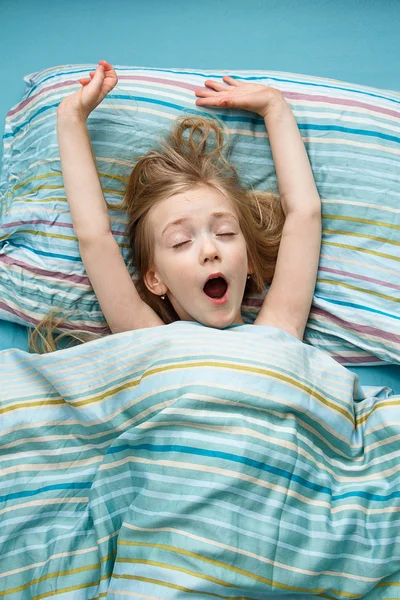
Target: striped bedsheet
{"points": [[352, 137], [187, 462]]}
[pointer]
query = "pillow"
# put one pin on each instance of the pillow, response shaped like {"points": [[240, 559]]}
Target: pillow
{"points": [[352, 136]]}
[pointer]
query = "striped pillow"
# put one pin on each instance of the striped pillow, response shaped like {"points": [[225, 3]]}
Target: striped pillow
{"points": [[352, 135]]}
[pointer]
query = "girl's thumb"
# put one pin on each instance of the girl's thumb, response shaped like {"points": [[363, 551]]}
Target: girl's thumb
{"points": [[99, 72]]}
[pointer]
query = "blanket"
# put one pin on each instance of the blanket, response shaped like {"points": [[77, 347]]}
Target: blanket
{"points": [[183, 461]]}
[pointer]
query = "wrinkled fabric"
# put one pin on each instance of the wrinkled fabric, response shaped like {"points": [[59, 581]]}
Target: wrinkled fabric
{"points": [[187, 462]]}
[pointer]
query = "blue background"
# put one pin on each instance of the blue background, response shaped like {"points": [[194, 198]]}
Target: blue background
{"points": [[351, 40], [356, 41]]}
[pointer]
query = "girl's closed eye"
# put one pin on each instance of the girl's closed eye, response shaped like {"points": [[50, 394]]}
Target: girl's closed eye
{"points": [[187, 241], [181, 244]]}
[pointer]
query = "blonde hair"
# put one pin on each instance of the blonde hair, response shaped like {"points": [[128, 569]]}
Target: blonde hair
{"points": [[185, 161]]}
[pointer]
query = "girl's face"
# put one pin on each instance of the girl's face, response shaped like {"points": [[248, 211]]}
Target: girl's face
{"points": [[197, 234]]}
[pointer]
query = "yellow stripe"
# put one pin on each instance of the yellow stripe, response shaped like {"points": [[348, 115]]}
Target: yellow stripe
{"points": [[376, 407], [183, 589], [61, 574], [18, 200], [31, 404], [358, 220], [258, 370], [219, 563], [335, 259], [44, 234], [347, 142], [51, 576], [358, 249], [64, 590], [154, 563], [363, 235], [247, 553], [350, 202], [359, 289], [174, 586], [59, 174], [57, 236]]}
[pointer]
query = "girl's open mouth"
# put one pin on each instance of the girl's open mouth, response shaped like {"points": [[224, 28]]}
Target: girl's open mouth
{"points": [[216, 290]]}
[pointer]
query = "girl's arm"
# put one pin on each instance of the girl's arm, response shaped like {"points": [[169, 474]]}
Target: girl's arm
{"points": [[288, 302], [297, 189], [82, 186], [119, 300], [296, 183]]}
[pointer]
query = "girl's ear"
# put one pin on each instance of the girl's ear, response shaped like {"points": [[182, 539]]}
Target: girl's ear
{"points": [[154, 283]]}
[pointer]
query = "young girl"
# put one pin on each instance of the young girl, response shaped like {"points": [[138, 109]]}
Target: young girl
{"points": [[196, 237]]}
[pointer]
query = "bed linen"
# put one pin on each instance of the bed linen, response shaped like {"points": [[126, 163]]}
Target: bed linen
{"points": [[351, 134], [187, 462], [13, 335]]}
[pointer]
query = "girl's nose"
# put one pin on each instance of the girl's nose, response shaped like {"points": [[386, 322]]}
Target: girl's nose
{"points": [[209, 251]]}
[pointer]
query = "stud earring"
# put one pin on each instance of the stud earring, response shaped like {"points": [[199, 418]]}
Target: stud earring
{"points": [[248, 276], [162, 297]]}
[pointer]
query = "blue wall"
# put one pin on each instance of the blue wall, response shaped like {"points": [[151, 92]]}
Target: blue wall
{"points": [[352, 40]]}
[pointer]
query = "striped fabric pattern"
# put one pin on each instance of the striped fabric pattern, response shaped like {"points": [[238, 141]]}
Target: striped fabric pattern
{"points": [[187, 462], [352, 136]]}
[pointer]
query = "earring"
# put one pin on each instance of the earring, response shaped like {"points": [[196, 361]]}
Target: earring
{"points": [[162, 297], [248, 276]]}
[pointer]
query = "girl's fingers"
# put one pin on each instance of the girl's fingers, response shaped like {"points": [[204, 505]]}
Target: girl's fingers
{"points": [[86, 80], [204, 93], [231, 81], [108, 69], [211, 102], [220, 87]]}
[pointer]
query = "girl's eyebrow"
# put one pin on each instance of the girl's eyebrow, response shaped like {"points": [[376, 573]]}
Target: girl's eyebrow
{"points": [[216, 215]]}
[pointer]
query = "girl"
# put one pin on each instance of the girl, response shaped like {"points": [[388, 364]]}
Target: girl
{"points": [[197, 240]]}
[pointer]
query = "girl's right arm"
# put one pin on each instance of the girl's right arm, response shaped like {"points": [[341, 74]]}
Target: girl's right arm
{"points": [[119, 300]]}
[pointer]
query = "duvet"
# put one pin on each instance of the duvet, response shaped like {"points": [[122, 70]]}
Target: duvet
{"points": [[188, 462]]}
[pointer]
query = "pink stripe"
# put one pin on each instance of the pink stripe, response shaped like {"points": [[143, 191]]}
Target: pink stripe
{"points": [[65, 325], [253, 302], [54, 274], [173, 82], [27, 101], [356, 359], [362, 277], [35, 222], [343, 102], [188, 86], [50, 223], [363, 329], [62, 84]]}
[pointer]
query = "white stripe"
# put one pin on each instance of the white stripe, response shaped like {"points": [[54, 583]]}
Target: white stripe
{"points": [[247, 553]]}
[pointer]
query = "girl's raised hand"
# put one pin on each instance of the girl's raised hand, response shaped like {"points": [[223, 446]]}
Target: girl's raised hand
{"points": [[93, 91], [238, 94]]}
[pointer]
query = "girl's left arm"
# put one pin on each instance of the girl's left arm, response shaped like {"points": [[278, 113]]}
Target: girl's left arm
{"points": [[288, 302], [297, 189]]}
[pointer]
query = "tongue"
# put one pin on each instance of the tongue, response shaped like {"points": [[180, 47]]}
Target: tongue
{"points": [[215, 288]]}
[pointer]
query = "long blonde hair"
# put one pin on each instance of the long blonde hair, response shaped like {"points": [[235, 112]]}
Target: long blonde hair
{"points": [[185, 161]]}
